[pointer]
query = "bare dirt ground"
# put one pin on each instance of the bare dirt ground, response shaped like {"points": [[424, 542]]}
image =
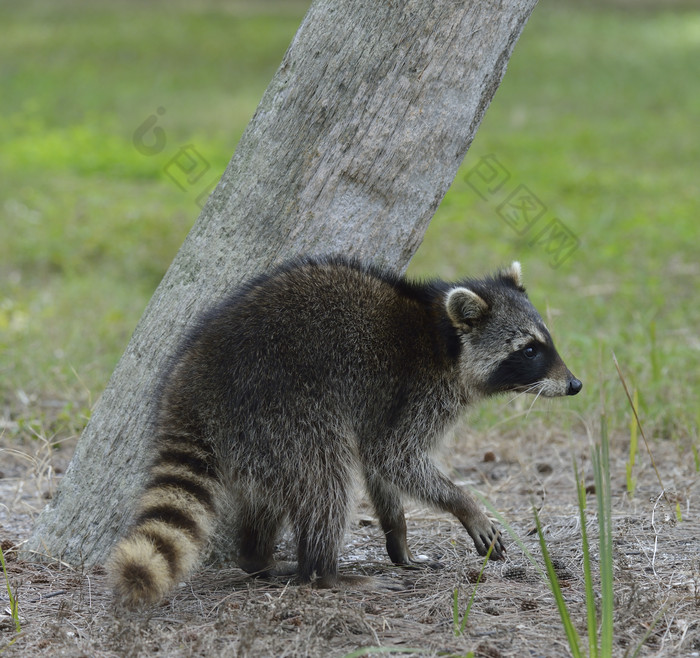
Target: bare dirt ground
{"points": [[68, 611]]}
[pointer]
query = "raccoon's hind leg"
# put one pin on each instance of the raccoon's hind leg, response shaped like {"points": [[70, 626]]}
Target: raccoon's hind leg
{"points": [[389, 509], [319, 518], [176, 517], [319, 534], [258, 523]]}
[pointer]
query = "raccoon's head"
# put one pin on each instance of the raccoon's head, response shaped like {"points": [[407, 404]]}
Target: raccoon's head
{"points": [[505, 344]]}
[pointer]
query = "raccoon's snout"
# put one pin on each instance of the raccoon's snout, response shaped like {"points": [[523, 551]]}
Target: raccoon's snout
{"points": [[561, 382], [575, 385]]}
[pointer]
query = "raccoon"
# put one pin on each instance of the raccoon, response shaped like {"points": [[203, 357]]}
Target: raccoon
{"points": [[303, 380]]}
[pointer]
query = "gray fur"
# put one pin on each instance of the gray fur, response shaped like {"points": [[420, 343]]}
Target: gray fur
{"points": [[323, 372]]}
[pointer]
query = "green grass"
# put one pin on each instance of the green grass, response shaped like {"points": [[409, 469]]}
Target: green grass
{"points": [[631, 480], [599, 601], [458, 625], [14, 604], [596, 115], [572, 635], [601, 471], [599, 608], [591, 613]]}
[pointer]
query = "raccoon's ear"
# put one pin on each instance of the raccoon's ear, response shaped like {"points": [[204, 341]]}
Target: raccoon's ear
{"points": [[514, 273], [464, 307]]}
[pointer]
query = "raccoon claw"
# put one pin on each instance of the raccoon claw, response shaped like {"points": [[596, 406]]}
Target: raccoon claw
{"points": [[491, 540], [496, 545]]}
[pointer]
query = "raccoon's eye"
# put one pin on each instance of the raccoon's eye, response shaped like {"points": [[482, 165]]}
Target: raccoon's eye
{"points": [[530, 352]]}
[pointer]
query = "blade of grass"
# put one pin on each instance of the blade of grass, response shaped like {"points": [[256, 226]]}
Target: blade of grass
{"points": [[14, 604], [631, 481], [592, 621], [650, 630], [601, 473], [571, 634], [458, 630], [641, 429]]}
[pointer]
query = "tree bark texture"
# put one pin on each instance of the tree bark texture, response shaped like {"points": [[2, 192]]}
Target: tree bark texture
{"points": [[352, 148]]}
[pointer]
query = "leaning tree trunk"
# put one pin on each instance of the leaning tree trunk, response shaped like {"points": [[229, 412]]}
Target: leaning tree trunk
{"points": [[351, 149]]}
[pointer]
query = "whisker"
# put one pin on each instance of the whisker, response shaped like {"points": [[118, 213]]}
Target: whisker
{"points": [[539, 392], [515, 397], [529, 389]]}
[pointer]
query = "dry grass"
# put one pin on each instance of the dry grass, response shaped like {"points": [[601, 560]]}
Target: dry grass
{"points": [[221, 612]]}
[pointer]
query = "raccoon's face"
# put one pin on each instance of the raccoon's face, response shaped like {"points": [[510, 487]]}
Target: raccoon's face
{"points": [[506, 345]]}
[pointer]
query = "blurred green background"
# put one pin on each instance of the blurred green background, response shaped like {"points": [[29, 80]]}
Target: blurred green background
{"points": [[598, 117]]}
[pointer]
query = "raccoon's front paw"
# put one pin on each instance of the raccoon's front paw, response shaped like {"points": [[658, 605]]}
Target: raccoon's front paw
{"points": [[486, 535]]}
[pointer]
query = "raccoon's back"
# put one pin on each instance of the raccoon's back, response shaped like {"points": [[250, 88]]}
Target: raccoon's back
{"points": [[321, 341], [317, 327]]}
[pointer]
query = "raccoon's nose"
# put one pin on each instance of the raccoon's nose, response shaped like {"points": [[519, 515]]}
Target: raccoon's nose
{"points": [[575, 386]]}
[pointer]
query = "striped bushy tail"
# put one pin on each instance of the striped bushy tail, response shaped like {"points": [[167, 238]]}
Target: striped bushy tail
{"points": [[176, 518]]}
